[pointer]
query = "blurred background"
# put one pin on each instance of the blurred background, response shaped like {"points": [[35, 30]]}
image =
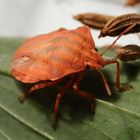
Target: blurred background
{"points": [[32, 17]]}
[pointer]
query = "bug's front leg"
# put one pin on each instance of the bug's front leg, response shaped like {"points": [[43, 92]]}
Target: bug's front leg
{"points": [[36, 87], [89, 96], [58, 99], [119, 86]]}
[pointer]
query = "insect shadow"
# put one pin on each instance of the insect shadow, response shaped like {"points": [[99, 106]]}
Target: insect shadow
{"points": [[131, 70], [74, 108], [93, 84]]}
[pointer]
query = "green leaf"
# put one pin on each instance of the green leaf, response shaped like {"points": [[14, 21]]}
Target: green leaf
{"points": [[116, 117]]}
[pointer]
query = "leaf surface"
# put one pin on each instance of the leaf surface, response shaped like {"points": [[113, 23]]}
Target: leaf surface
{"points": [[116, 117]]}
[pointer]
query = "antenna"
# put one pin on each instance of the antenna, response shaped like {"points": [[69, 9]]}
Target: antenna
{"points": [[122, 33]]}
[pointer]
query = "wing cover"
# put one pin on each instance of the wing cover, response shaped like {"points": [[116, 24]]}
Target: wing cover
{"points": [[52, 56]]}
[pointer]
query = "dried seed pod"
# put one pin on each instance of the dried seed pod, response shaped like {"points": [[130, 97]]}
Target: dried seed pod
{"points": [[128, 53], [132, 2], [94, 20], [118, 24]]}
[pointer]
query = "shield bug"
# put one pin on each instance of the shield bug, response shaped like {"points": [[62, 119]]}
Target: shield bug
{"points": [[47, 59]]}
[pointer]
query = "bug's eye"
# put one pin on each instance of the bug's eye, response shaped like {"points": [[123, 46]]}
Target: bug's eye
{"points": [[87, 66], [96, 49]]}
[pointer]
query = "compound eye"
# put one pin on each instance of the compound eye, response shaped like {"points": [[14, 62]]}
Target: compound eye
{"points": [[87, 66], [96, 49]]}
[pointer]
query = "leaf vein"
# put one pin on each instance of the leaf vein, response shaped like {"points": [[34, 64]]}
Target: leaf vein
{"points": [[27, 124], [5, 135], [118, 107]]}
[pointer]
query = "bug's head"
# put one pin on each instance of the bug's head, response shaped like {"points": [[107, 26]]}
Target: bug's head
{"points": [[94, 60]]}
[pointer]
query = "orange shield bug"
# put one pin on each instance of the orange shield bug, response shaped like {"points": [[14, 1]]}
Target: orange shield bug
{"points": [[46, 59]]}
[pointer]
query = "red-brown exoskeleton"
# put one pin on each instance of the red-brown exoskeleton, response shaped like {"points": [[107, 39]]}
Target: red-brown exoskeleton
{"points": [[48, 58]]}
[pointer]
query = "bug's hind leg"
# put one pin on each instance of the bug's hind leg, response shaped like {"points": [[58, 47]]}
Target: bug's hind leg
{"points": [[36, 87], [58, 99], [89, 96]]}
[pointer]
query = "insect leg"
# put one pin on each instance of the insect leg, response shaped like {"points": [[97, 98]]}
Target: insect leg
{"points": [[58, 99], [105, 82], [90, 97], [36, 87], [119, 86], [114, 61], [43, 85]]}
